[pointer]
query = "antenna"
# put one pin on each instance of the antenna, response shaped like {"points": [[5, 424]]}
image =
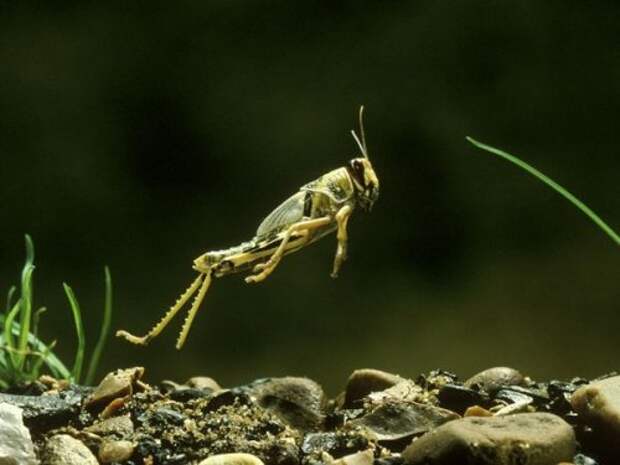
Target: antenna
{"points": [[362, 144]]}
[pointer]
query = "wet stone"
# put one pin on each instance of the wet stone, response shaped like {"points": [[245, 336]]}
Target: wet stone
{"points": [[493, 379], [186, 394], [528, 438], [46, 412], [63, 449], [458, 398], [300, 402], [598, 403], [406, 390], [363, 382], [232, 459], [581, 459]]}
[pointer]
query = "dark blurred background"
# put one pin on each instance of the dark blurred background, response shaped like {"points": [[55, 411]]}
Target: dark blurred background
{"points": [[140, 136]]}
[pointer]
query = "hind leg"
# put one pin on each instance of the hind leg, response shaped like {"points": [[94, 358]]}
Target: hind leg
{"points": [[158, 328], [342, 218], [265, 269]]}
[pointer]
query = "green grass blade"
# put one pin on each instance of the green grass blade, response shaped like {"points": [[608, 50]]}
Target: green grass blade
{"points": [[79, 328], [551, 183], [105, 329], [26, 304], [9, 298], [8, 336], [56, 367]]}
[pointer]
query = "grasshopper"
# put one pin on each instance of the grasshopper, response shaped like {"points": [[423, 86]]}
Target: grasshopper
{"points": [[316, 210]]}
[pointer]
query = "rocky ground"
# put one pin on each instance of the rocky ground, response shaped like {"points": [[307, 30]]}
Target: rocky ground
{"points": [[496, 417]]}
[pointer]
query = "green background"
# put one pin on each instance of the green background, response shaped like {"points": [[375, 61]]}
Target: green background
{"points": [[140, 136]]}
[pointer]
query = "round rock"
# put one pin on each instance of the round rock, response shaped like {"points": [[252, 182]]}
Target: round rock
{"points": [[598, 403], [364, 381], [493, 379], [232, 459], [63, 449], [529, 438], [115, 451]]}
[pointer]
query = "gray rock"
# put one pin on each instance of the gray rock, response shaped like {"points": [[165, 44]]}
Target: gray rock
{"points": [[493, 379], [232, 459], [598, 403], [115, 451], [398, 420], [16, 446], [364, 381], [527, 438], [300, 402], [63, 449]]}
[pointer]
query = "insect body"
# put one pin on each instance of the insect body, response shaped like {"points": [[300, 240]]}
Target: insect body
{"points": [[317, 209]]}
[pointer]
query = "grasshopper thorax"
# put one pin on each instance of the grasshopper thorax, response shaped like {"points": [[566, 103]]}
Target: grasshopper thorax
{"points": [[365, 182]]}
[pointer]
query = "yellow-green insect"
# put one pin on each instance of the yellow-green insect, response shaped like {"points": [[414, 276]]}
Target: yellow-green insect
{"points": [[319, 208]]}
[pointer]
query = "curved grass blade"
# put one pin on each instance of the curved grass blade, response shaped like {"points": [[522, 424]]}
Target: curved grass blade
{"points": [[79, 328], [105, 329], [551, 183], [8, 336], [25, 311], [9, 298]]}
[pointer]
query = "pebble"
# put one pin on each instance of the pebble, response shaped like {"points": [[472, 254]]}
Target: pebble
{"points": [[300, 402], [63, 449], [115, 451], [528, 438], [203, 382], [335, 443], [360, 458], [397, 420], [364, 381], [406, 390], [598, 403], [121, 426], [493, 379], [114, 385], [16, 446], [232, 459]]}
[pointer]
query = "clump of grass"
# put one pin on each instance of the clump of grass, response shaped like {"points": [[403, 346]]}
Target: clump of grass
{"points": [[23, 355], [551, 183]]}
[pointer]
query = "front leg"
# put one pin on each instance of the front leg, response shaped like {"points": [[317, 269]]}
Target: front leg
{"points": [[342, 218], [267, 268]]}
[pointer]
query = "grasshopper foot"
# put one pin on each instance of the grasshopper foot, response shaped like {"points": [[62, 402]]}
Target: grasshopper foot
{"points": [[131, 338]]}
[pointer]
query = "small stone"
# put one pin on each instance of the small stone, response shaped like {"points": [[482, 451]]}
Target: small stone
{"points": [[529, 438], [121, 427], [581, 459], [363, 382], [232, 459], [458, 398], [360, 458], [598, 403], [203, 382], [114, 385], [493, 379], [16, 446], [298, 401], [115, 451], [406, 390], [477, 411], [63, 449], [335, 443], [395, 421]]}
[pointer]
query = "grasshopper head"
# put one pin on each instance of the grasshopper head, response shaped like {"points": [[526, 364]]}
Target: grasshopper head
{"points": [[362, 173], [365, 182]]}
